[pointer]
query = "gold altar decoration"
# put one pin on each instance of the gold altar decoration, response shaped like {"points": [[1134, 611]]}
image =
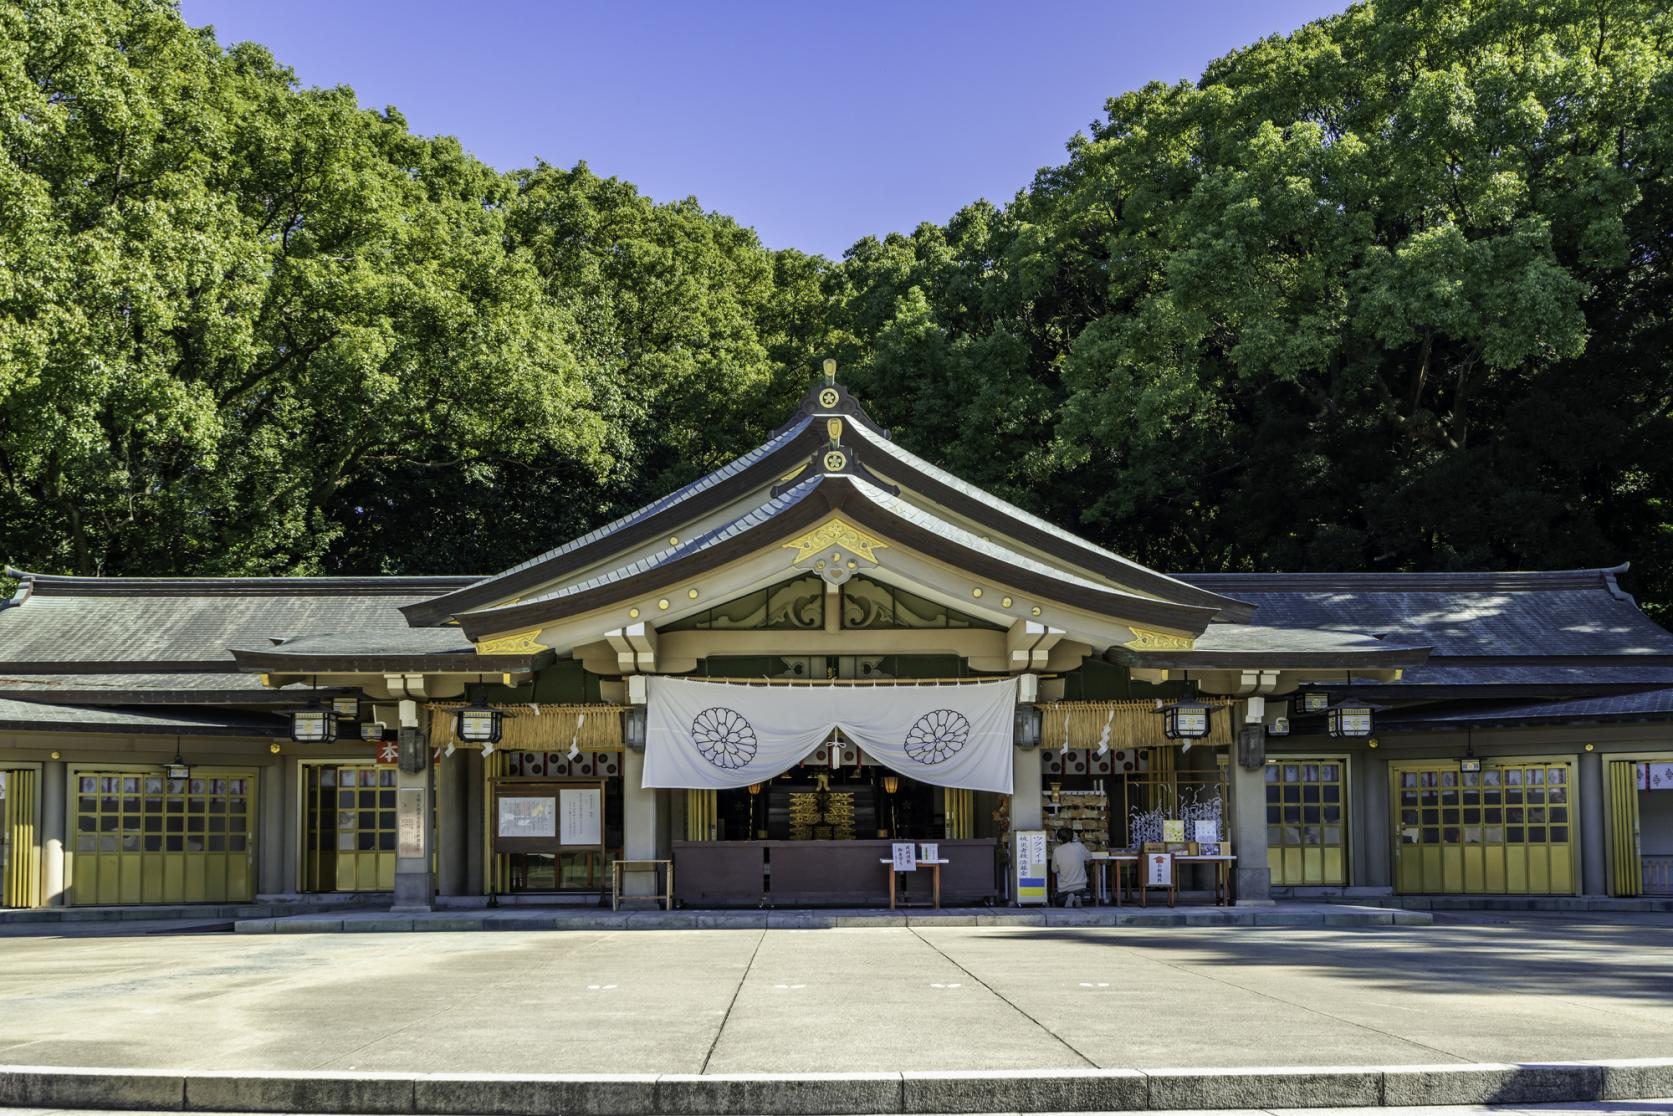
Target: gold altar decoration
{"points": [[1132, 724], [551, 729]]}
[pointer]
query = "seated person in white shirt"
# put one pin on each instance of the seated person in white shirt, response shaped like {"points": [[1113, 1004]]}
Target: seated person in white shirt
{"points": [[1068, 861]]}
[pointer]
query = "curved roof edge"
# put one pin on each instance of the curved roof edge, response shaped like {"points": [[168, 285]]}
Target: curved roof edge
{"points": [[814, 500]]}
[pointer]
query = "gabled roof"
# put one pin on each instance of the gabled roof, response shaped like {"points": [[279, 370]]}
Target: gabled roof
{"points": [[104, 625], [965, 499], [699, 498], [788, 449], [801, 506]]}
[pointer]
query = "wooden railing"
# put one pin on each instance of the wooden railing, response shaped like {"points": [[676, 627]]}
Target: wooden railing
{"points": [[1658, 875]]}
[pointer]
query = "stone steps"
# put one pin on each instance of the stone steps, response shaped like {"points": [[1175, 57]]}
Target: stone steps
{"points": [[535, 918]]}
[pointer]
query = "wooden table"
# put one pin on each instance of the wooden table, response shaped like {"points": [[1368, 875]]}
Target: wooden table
{"points": [[1101, 890], [1222, 872], [666, 896], [933, 865]]}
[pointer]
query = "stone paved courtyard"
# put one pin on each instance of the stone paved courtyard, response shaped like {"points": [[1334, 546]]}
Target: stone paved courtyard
{"points": [[1478, 989]]}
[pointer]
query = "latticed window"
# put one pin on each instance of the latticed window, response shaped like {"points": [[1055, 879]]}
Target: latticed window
{"points": [[1306, 821]]}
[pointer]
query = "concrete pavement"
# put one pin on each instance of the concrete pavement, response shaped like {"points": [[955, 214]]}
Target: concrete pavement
{"points": [[842, 1000]]}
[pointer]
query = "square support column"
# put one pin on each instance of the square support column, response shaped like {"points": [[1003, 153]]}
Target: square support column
{"points": [[1026, 784], [639, 823], [1593, 863], [1248, 788], [55, 801], [415, 884], [452, 827]]}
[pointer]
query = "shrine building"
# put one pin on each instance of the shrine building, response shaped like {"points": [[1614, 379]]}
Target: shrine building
{"points": [[774, 677]]}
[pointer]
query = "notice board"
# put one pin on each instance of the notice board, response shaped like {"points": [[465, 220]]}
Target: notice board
{"points": [[581, 814], [1028, 867]]}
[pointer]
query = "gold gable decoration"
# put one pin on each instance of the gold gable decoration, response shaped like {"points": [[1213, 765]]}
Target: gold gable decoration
{"points": [[839, 534], [517, 643], [1148, 639], [549, 730], [1133, 724]]}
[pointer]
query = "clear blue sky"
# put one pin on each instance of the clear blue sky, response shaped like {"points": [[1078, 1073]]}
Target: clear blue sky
{"points": [[815, 123]]}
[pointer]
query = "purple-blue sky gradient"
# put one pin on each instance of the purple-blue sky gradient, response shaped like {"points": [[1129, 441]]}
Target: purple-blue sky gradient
{"points": [[814, 123]]}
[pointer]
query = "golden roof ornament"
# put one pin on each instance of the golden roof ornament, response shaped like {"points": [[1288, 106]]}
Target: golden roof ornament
{"points": [[828, 396]]}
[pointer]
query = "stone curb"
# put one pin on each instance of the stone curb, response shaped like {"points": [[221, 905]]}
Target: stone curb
{"points": [[1106, 918], [1067, 1090]]}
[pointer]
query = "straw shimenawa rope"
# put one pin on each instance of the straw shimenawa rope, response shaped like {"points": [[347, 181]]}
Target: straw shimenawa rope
{"points": [[1133, 724], [549, 730]]}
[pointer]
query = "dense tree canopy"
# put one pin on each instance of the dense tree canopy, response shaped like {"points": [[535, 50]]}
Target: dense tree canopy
{"points": [[1391, 292]]}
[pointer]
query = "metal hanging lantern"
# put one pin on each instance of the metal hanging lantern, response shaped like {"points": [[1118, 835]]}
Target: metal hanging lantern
{"points": [[348, 707], [1313, 701], [371, 730], [1027, 728], [479, 724], [314, 725], [1349, 720], [1185, 720]]}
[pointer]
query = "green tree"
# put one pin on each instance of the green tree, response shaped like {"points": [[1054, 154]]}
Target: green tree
{"points": [[1388, 293]]}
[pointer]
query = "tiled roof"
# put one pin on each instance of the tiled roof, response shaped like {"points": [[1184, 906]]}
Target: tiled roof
{"points": [[1224, 645], [768, 509], [615, 526], [1649, 704], [1150, 580], [1497, 615], [172, 623], [46, 717]]}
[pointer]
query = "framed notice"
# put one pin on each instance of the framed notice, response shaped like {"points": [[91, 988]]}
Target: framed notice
{"points": [[582, 812], [1028, 863], [528, 816], [1173, 829], [906, 856], [929, 850], [1158, 870], [409, 823]]}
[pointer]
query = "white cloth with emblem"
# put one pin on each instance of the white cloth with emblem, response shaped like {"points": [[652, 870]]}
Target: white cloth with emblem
{"points": [[724, 735]]}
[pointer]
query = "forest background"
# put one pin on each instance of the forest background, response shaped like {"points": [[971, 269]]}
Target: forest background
{"points": [[1388, 293]]}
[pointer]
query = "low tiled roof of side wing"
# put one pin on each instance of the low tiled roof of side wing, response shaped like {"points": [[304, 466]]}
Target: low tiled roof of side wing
{"points": [[1491, 617], [58, 625], [46, 717], [1644, 705]]}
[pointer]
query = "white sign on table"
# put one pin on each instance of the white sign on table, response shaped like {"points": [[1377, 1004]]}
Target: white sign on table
{"points": [[929, 851], [906, 856], [527, 817], [1158, 870], [582, 811]]}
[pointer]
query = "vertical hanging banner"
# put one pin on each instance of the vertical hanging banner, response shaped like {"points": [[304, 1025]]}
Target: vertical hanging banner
{"points": [[1028, 867], [724, 735]]}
